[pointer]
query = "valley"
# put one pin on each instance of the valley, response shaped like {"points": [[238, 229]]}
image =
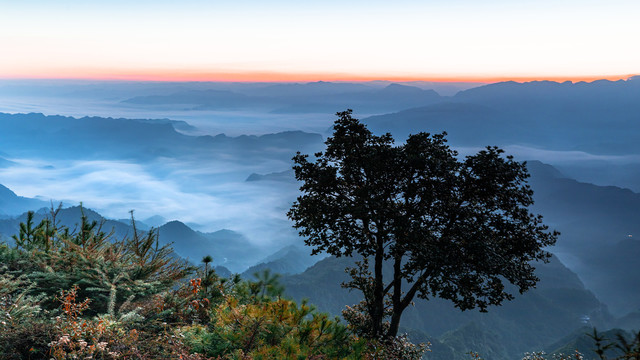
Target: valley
{"points": [[209, 166]]}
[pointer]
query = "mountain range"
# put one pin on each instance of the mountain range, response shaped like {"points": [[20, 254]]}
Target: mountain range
{"points": [[62, 137], [586, 214], [10, 203], [318, 97], [598, 117], [556, 308], [579, 138], [228, 248]]}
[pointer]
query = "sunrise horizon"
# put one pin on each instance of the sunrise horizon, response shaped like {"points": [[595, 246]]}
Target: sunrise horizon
{"points": [[281, 77], [284, 41]]}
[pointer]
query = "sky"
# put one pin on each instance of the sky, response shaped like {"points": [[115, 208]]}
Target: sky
{"points": [[253, 40]]}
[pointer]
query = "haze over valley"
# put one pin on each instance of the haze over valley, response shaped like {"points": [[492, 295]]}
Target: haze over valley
{"points": [[217, 157]]}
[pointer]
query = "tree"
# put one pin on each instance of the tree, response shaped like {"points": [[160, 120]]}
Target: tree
{"points": [[110, 271], [267, 285], [455, 229], [208, 276]]}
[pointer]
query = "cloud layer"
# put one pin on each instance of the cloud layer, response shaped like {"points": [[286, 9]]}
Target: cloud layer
{"points": [[214, 196]]}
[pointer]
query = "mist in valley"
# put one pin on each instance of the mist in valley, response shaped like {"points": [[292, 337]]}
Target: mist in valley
{"points": [[210, 164]]}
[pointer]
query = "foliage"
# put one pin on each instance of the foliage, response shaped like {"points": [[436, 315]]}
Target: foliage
{"points": [[112, 272], [395, 348], [629, 349], [622, 347], [76, 294], [272, 329], [448, 228], [78, 338], [267, 285], [20, 335], [15, 303]]}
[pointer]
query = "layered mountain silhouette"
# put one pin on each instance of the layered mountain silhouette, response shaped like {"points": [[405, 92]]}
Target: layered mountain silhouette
{"points": [[217, 99], [597, 225], [228, 248], [10, 203], [532, 321], [61, 137], [595, 222], [292, 259], [286, 176], [593, 281], [316, 97], [69, 217], [600, 116]]}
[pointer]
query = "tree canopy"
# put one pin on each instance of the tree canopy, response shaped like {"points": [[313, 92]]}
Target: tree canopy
{"points": [[453, 228]]}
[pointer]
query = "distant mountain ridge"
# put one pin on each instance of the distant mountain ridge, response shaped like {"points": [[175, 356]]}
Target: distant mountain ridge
{"points": [[228, 248], [595, 223], [63, 137], [318, 97], [69, 217], [12, 204], [569, 116], [219, 99], [292, 259], [286, 176]]}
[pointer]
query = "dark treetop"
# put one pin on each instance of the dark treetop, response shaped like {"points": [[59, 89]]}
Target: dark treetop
{"points": [[448, 228]]}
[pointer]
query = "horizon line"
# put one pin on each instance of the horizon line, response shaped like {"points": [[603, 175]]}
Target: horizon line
{"points": [[276, 77]]}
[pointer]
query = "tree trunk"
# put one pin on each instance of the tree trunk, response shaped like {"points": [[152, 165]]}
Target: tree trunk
{"points": [[403, 303], [395, 323], [396, 298], [377, 316]]}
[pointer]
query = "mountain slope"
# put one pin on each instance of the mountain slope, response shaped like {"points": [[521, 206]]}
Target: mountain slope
{"points": [[599, 117], [595, 224], [530, 322], [316, 97], [227, 247], [292, 259], [69, 217], [96, 138], [12, 204]]}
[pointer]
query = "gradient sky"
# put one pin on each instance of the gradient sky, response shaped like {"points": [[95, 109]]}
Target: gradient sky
{"points": [[319, 40]]}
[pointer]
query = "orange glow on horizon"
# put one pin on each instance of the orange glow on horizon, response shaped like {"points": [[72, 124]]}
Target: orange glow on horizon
{"points": [[271, 77]]}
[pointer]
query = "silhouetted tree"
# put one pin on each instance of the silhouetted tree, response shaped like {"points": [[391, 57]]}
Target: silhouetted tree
{"points": [[456, 229]]}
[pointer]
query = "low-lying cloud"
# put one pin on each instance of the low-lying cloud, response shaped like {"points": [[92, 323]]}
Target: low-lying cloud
{"points": [[213, 195]]}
